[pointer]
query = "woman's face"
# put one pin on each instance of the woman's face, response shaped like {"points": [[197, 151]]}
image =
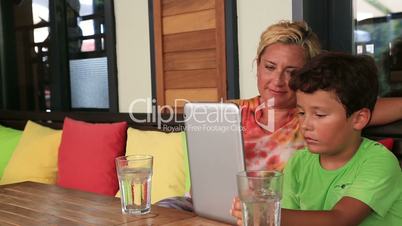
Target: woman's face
{"points": [[274, 68]]}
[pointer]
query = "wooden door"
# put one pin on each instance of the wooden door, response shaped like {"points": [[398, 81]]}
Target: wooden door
{"points": [[190, 52]]}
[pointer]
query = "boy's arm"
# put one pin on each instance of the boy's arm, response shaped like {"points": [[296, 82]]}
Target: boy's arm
{"points": [[348, 211], [386, 110]]}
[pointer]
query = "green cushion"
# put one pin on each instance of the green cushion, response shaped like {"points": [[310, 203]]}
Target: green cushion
{"points": [[9, 139]]}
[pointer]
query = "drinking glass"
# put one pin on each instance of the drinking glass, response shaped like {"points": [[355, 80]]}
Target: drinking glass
{"points": [[260, 194], [135, 174]]}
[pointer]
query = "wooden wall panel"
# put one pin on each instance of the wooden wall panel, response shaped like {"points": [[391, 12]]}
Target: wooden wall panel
{"points": [[201, 94], [190, 50], [174, 7], [200, 59], [201, 20], [190, 41], [190, 79]]}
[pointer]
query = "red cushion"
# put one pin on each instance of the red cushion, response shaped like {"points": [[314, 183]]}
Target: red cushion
{"points": [[87, 155], [387, 142]]}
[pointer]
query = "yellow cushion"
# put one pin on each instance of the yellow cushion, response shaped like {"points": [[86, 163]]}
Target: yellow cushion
{"points": [[35, 157], [169, 174]]}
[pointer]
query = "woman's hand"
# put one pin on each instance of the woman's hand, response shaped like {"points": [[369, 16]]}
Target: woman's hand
{"points": [[236, 211]]}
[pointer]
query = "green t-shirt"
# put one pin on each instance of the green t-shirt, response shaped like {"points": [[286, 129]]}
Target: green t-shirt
{"points": [[373, 176]]}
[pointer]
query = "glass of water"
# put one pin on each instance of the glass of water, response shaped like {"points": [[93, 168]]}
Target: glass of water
{"points": [[135, 173], [260, 194]]}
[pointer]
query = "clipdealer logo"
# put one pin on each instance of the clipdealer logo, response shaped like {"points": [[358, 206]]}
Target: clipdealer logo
{"points": [[157, 111], [162, 115]]}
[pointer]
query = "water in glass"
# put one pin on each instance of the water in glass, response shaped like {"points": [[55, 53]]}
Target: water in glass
{"points": [[135, 188], [261, 211]]}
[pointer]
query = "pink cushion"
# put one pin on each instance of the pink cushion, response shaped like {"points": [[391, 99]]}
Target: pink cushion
{"points": [[87, 153], [387, 142]]}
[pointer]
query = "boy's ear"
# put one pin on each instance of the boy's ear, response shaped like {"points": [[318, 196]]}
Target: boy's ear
{"points": [[361, 118]]}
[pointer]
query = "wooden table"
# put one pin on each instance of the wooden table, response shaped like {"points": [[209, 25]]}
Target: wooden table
{"points": [[30, 203]]}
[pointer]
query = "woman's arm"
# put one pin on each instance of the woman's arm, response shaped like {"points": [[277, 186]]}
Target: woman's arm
{"points": [[387, 110]]}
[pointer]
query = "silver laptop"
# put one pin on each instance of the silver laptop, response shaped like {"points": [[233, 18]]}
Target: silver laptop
{"points": [[215, 146]]}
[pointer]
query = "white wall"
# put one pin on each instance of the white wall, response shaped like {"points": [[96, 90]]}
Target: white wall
{"points": [[133, 55], [253, 18]]}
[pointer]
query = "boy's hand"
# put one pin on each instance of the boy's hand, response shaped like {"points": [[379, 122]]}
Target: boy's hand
{"points": [[236, 211]]}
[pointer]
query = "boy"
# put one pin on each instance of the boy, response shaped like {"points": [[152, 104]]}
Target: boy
{"points": [[341, 178], [351, 179]]}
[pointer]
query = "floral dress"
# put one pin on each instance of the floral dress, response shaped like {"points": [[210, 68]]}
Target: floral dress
{"points": [[265, 150]]}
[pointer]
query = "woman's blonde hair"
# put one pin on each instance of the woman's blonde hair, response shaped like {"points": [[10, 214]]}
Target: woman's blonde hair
{"points": [[292, 33]]}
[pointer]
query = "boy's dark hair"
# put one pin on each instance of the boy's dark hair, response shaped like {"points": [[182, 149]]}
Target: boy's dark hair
{"points": [[353, 78]]}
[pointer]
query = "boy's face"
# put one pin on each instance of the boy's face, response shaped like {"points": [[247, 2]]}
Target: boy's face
{"points": [[323, 122]]}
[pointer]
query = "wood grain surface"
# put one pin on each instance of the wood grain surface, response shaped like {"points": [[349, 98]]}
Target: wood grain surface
{"points": [[197, 95], [190, 50], [200, 59], [196, 21], [204, 78], [30, 203], [186, 41], [174, 7]]}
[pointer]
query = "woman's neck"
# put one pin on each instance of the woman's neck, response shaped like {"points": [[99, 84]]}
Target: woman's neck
{"points": [[276, 117]]}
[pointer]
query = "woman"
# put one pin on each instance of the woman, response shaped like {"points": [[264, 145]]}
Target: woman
{"points": [[270, 124]]}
